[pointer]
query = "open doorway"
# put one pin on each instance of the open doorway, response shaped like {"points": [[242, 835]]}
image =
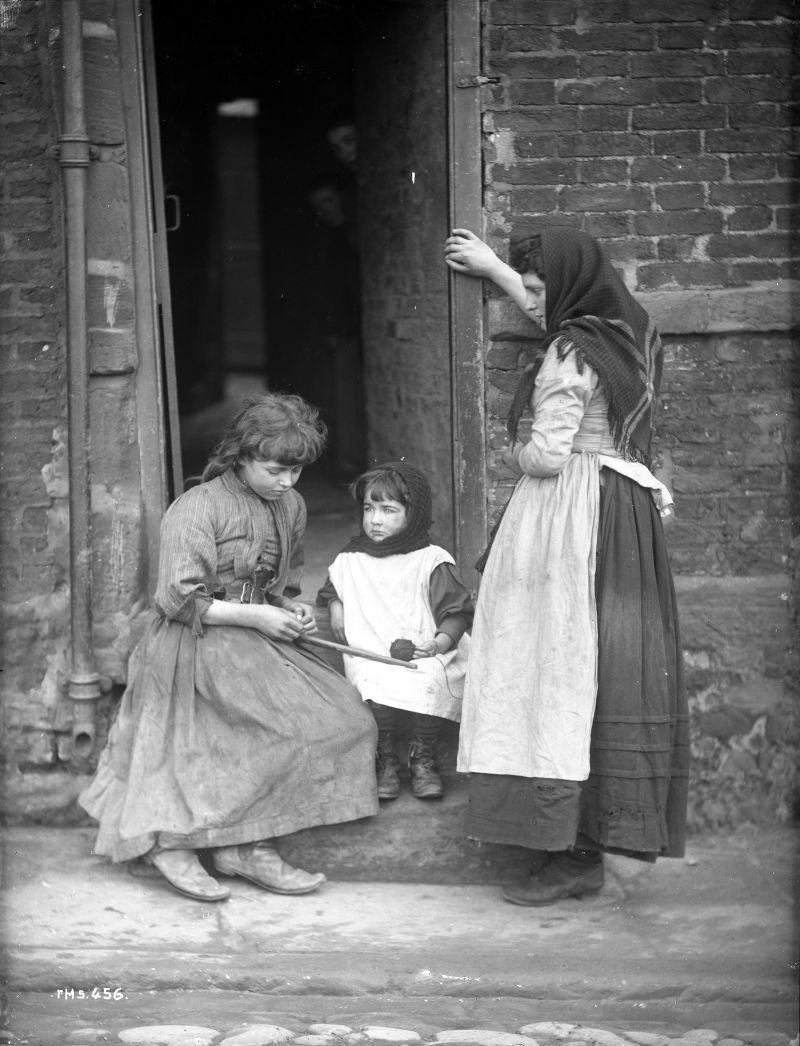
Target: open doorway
{"points": [[262, 258], [355, 309]]}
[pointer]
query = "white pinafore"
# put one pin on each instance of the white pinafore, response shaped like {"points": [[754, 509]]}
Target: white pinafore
{"points": [[387, 599]]}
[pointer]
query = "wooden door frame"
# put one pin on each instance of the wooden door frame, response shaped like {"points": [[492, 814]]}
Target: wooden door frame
{"points": [[466, 300], [156, 400]]}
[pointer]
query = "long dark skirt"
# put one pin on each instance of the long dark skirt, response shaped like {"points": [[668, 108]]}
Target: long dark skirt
{"points": [[634, 800]]}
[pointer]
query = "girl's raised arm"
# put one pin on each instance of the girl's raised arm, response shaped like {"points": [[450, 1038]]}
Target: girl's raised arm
{"points": [[467, 253]]}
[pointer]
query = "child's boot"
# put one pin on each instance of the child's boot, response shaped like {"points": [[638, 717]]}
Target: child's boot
{"points": [[425, 781], [386, 766]]}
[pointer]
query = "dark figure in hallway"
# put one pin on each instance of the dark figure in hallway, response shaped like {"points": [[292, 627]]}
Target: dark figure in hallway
{"points": [[575, 722], [342, 136], [334, 368]]}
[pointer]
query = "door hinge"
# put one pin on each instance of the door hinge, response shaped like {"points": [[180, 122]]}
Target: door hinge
{"points": [[477, 81]]}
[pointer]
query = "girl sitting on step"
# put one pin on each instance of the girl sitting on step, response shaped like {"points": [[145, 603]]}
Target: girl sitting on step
{"points": [[229, 735], [390, 583]]}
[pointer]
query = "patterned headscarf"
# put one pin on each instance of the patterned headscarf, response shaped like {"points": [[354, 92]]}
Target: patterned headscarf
{"points": [[588, 307], [419, 515]]}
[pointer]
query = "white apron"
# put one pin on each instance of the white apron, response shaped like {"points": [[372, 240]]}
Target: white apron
{"points": [[532, 681], [386, 599]]}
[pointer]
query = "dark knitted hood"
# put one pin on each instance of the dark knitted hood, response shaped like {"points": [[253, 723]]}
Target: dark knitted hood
{"points": [[419, 517]]}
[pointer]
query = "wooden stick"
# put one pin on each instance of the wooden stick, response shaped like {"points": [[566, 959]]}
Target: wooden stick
{"points": [[355, 651]]}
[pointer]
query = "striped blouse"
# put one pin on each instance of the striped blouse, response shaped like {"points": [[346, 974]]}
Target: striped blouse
{"points": [[215, 534]]}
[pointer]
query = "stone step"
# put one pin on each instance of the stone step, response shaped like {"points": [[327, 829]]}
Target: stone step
{"points": [[411, 840]]}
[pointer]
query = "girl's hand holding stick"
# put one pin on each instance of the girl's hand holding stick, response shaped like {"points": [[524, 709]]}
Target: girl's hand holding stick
{"points": [[277, 622], [305, 615], [354, 651]]}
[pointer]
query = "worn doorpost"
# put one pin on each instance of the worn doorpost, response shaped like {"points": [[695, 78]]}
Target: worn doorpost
{"points": [[466, 294]]}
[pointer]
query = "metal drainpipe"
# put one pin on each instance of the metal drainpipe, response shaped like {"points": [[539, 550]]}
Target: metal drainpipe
{"points": [[74, 156]]}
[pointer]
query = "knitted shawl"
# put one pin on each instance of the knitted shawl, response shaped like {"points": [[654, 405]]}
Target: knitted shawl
{"points": [[419, 518], [590, 310]]}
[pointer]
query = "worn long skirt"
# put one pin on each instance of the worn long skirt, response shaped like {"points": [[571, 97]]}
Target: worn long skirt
{"points": [[227, 738], [634, 800]]}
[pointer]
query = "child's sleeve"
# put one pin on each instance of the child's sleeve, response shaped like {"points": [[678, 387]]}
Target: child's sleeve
{"points": [[327, 593], [451, 602], [560, 398], [187, 559]]}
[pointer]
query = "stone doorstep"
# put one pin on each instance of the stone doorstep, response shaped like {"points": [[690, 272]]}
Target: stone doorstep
{"points": [[410, 840]]}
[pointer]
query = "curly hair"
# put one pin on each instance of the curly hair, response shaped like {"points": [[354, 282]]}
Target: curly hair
{"points": [[526, 256], [277, 426]]}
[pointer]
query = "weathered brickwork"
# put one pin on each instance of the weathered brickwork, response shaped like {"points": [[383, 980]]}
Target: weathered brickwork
{"points": [[31, 290], [726, 440], [33, 575], [42, 775], [665, 130], [726, 432]]}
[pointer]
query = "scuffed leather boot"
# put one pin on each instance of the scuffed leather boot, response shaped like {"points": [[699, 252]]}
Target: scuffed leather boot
{"points": [[386, 766], [425, 781], [263, 865], [562, 877], [184, 873]]}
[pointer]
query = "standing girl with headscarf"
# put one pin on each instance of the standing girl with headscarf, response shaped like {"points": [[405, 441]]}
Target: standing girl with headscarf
{"points": [[575, 723]]}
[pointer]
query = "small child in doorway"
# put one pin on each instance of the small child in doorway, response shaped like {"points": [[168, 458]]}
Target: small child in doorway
{"points": [[390, 583]]}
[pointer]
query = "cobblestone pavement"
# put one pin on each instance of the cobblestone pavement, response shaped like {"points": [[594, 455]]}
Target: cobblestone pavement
{"points": [[213, 1018]]}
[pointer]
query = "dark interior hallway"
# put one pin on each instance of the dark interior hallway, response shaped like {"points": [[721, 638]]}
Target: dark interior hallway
{"points": [[262, 270]]}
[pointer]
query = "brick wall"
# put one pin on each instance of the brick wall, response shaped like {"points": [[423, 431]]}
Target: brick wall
{"points": [[42, 777], [33, 577], [664, 129], [726, 439], [726, 428]]}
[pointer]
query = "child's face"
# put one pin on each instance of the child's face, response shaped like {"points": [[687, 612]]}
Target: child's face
{"points": [[327, 204], [269, 479], [344, 142], [382, 518]]}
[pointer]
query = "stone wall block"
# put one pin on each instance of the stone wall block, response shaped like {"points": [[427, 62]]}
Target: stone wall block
{"points": [[603, 198], [108, 223], [678, 117], [111, 351], [105, 118]]}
